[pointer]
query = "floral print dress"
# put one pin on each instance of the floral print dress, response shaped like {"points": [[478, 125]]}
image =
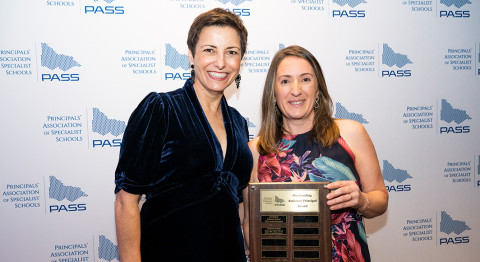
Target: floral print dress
{"points": [[300, 160]]}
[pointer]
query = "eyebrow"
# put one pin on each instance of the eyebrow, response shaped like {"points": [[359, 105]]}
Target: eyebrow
{"points": [[213, 46], [300, 75]]}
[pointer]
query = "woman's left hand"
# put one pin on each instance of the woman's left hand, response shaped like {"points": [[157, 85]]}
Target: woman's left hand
{"points": [[344, 194]]}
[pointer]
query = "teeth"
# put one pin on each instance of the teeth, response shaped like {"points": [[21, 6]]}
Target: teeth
{"points": [[217, 75], [296, 103]]}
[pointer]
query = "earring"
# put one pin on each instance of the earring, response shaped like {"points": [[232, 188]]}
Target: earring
{"points": [[192, 74], [316, 105], [237, 80]]}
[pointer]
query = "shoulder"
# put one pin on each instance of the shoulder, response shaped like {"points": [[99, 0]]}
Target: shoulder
{"points": [[252, 144], [153, 107], [153, 103], [350, 128], [354, 134], [152, 98], [163, 99]]}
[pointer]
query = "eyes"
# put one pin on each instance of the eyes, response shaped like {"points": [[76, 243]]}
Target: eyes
{"points": [[230, 52], [288, 80]]}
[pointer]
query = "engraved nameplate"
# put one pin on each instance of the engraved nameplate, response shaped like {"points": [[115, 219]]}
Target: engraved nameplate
{"points": [[289, 200]]}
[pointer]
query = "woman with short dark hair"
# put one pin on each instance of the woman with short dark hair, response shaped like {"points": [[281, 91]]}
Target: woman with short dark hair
{"points": [[187, 151]]}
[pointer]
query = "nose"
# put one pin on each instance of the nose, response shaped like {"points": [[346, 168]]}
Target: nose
{"points": [[220, 61], [296, 89]]}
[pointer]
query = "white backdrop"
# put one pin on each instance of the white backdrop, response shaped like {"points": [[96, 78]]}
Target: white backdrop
{"points": [[71, 72]]}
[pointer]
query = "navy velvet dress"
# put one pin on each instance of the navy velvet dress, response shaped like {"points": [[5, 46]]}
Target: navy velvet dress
{"points": [[170, 153]]}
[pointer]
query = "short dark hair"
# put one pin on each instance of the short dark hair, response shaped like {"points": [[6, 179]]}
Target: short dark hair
{"points": [[217, 17]]}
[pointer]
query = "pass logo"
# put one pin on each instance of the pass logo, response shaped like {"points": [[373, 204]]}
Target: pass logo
{"points": [[61, 192], [350, 13], [55, 61], [391, 58], [452, 115], [99, 8], [449, 226]]}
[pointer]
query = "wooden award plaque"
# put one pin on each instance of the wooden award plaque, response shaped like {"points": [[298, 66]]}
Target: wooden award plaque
{"points": [[289, 222]]}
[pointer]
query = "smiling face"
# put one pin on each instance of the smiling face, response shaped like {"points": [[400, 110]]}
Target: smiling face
{"points": [[296, 88], [217, 58]]}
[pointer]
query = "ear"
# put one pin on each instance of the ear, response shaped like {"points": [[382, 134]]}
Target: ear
{"points": [[190, 57]]}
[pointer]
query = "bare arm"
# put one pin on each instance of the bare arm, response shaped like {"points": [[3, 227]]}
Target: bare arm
{"points": [[127, 222], [372, 201]]}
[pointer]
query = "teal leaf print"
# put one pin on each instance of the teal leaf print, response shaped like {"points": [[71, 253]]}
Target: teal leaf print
{"points": [[286, 144], [361, 232], [332, 170]]}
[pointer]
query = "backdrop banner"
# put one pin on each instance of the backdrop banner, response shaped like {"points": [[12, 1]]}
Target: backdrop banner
{"points": [[72, 72]]}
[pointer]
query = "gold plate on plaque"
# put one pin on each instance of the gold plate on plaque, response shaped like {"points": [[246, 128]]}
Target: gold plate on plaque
{"points": [[288, 200]]}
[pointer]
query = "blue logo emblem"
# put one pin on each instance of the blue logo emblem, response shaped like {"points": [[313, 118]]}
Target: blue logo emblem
{"points": [[104, 9], [390, 58], [391, 173], [449, 225], [249, 123], [174, 59], [456, 3], [351, 3], [103, 125], [478, 73], [349, 13], [342, 112], [450, 114], [237, 11], [107, 250], [235, 2], [52, 60], [478, 172], [60, 192], [457, 13]]}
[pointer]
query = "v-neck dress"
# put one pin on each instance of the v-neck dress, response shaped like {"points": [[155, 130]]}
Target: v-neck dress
{"points": [[170, 153]]}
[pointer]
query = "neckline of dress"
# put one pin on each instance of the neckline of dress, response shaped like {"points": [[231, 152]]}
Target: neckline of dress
{"points": [[226, 121], [291, 137]]}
